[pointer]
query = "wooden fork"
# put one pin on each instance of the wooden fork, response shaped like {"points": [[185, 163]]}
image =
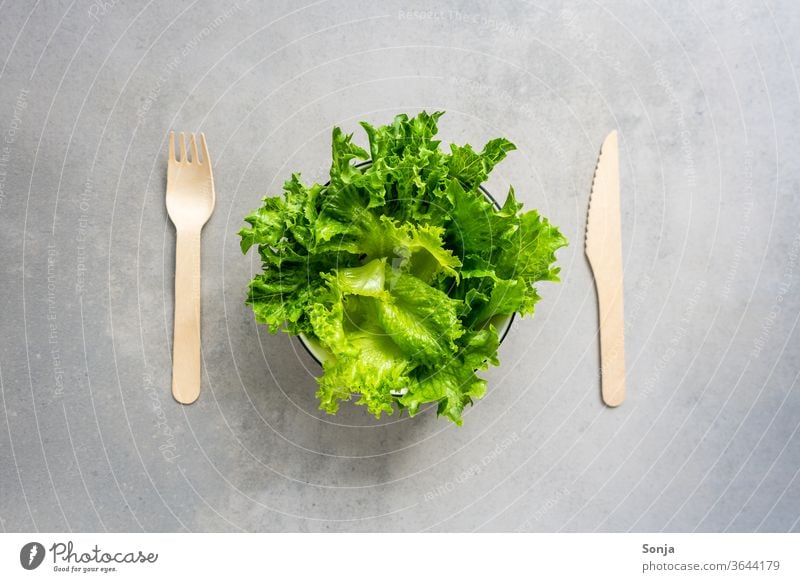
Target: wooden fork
{"points": [[190, 202]]}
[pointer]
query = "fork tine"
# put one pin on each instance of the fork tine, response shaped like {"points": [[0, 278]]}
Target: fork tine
{"points": [[183, 158], [204, 146], [195, 159], [171, 146]]}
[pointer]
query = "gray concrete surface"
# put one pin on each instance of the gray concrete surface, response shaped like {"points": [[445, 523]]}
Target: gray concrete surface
{"points": [[706, 97]]}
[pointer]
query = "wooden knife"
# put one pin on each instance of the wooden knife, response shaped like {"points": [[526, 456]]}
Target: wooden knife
{"points": [[604, 251]]}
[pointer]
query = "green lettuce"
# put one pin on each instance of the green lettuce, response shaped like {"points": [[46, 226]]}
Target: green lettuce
{"points": [[398, 266]]}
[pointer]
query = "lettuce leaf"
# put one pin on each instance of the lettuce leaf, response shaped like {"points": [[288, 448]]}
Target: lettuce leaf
{"points": [[398, 266]]}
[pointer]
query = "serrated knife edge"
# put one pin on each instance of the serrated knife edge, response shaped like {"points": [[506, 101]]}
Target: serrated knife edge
{"points": [[608, 156]]}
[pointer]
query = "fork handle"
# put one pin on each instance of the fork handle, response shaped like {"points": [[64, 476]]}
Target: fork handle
{"points": [[186, 338]]}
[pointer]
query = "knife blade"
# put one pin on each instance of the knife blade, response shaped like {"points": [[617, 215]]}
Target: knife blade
{"points": [[604, 252]]}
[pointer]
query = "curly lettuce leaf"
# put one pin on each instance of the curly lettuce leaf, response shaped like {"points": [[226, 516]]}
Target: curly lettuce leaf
{"points": [[380, 324]]}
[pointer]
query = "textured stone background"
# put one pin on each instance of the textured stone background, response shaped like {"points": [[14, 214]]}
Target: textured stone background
{"points": [[707, 101]]}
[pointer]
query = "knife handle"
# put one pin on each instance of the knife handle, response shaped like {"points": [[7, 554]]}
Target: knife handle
{"points": [[612, 342]]}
